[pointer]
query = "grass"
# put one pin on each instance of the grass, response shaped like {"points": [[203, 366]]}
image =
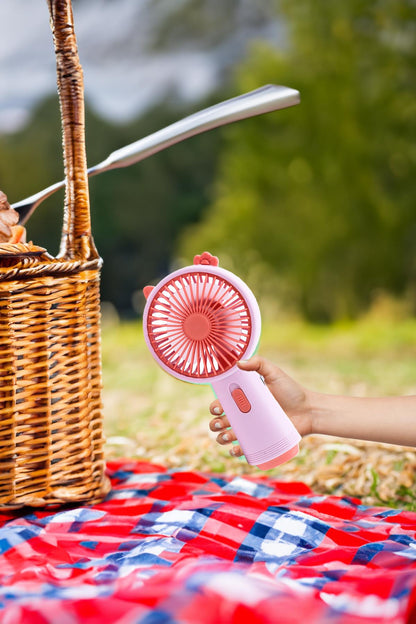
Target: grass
{"points": [[151, 415]]}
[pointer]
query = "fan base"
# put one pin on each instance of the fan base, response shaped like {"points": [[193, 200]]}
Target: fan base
{"points": [[281, 459]]}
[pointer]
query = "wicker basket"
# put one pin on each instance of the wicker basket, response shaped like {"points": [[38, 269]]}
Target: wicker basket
{"points": [[51, 432]]}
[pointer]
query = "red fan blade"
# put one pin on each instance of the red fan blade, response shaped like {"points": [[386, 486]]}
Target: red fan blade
{"points": [[199, 325]]}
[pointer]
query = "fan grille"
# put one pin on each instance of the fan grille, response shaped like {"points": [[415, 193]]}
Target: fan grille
{"points": [[199, 324]]}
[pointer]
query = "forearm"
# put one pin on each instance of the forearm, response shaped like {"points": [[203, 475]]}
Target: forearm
{"points": [[391, 419]]}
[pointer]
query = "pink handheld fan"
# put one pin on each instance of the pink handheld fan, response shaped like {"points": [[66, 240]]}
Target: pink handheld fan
{"points": [[198, 323]]}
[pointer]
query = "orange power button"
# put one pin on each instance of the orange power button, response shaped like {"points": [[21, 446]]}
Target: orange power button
{"points": [[241, 400]]}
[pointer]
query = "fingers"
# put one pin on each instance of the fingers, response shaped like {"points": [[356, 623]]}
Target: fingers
{"points": [[236, 451], [290, 395], [227, 437], [221, 424], [216, 408]]}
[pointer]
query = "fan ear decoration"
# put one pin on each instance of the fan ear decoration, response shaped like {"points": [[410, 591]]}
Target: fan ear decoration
{"points": [[207, 259], [147, 290]]}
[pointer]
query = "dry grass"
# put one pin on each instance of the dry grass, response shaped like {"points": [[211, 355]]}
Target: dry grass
{"points": [[150, 415]]}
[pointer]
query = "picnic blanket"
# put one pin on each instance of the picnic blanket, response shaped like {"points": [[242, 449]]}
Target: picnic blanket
{"points": [[177, 546]]}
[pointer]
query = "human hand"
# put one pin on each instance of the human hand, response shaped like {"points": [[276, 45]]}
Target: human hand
{"points": [[292, 397]]}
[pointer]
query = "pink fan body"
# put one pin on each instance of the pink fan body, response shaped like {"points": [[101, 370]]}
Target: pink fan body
{"points": [[198, 323]]}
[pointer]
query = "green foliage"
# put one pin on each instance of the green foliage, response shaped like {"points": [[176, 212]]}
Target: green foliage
{"points": [[137, 212], [321, 196], [313, 205]]}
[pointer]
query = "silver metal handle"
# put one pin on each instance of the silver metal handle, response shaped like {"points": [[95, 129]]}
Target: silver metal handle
{"points": [[264, 100]]}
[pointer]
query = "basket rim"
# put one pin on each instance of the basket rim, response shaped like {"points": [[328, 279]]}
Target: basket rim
{"points": [[47, 266], [20, 249]]}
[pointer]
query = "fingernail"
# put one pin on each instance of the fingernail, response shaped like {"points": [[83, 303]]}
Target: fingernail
{"points": [[243, 361], [217, 410], [218, 425], [225, 437]]}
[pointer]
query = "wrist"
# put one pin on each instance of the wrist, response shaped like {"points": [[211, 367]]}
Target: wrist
{"points": [[318, 413]]}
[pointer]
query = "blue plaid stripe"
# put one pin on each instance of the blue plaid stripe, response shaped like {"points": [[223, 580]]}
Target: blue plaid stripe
{"points": [[12, 535], [74, 518], [281, 535], [140, 553], [130, 485], [174, 545], [170, 522]]}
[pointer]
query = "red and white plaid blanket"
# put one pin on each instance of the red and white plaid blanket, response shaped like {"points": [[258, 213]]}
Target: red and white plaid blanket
{"points": [[173, 547]]}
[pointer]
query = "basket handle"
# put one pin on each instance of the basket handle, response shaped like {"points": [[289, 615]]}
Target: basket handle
{"points": [[76, 241]]}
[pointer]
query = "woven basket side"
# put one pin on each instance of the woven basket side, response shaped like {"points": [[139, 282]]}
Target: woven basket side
{"points": [[51, 436]]}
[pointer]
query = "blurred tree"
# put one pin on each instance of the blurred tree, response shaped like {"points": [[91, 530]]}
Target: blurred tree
{"points": [[140, 211], [137, 212], [322, 197]]}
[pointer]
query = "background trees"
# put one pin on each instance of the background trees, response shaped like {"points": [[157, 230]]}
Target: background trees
{"points": [[322, 196], [314, 206]]}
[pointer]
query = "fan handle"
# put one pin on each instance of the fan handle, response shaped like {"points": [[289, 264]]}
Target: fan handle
{"points": [[266, 435]]}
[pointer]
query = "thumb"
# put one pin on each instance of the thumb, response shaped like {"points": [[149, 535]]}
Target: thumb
{"points": [[266, 369]]}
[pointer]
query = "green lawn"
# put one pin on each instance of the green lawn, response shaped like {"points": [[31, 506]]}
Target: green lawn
{"points": [[151, 415]]}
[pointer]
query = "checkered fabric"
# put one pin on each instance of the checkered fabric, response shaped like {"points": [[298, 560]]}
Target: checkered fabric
{"points": [[170, 547]]}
